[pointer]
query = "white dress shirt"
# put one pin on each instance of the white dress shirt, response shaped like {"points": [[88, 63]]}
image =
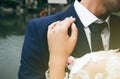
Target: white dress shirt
{"points": [[87, 18]]}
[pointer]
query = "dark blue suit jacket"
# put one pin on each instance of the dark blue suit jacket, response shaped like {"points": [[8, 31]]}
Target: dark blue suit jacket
{"points": [[35, 55]]}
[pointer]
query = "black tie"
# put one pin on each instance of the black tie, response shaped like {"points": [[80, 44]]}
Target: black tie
{"points": [[96, 40]]}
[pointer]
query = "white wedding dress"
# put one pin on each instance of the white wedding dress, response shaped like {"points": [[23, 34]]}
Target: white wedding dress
{"points": [[96, 65]]}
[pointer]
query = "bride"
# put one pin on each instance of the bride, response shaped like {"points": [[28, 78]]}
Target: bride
{"points": [[94, 65]]}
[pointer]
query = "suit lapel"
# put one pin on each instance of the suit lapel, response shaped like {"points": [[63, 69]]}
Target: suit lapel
{"points": [[82, 46]]}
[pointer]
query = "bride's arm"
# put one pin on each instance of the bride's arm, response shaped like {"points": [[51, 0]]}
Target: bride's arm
{"points": [[60, 46]]}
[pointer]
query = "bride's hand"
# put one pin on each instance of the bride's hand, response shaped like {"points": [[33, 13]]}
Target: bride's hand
{"points": [[60, 46], [60, 43]]}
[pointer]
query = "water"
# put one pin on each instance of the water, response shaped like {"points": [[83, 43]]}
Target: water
{"points": [[12, 30]]}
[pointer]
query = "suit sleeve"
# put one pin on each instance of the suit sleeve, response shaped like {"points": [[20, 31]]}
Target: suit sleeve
{"points": [[32, 63]]}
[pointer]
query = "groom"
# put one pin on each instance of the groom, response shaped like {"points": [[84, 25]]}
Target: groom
{"points": [[35, 54]]}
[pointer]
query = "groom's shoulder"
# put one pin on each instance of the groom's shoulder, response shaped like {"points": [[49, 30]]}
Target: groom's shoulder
{"points": [[67, 12], [47, 19]]}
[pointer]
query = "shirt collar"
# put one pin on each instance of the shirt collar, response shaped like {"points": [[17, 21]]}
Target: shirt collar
{"points": [[86, 16]]}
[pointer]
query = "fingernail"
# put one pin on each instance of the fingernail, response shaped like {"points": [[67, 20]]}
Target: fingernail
{"points": [[66, 18], [73, 24], [58, 21], [71, 17]]}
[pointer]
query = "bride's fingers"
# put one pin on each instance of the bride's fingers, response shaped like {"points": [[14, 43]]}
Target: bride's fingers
{"points": [[61, 24], [51, 26], [73, 37], [67, 23], [74, 32]]}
